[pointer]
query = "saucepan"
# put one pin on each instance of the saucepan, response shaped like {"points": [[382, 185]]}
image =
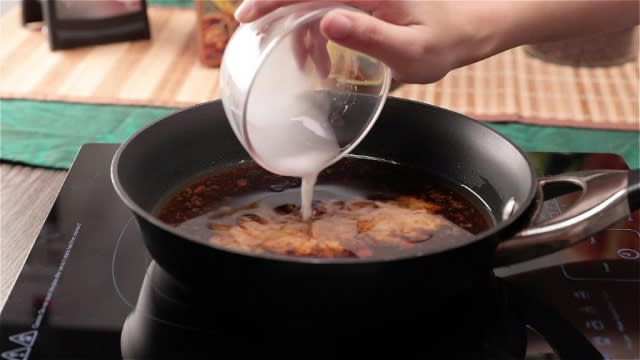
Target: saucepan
{"points": [[303, 292]]}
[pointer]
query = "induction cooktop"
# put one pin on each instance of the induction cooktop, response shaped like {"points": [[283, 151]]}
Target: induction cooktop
{"points": [[89, 290]]}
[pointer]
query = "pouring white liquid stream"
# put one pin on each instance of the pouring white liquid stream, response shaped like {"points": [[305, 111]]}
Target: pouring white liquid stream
{"points": [[279, 106], [289, 128], [306, 189], [298, 149]]}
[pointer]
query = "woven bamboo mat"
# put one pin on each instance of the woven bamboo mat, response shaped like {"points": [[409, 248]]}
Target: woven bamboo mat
{"points": [[165, 72]]}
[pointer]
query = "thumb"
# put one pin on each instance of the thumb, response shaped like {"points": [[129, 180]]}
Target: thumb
{"points": [[389, 43]]}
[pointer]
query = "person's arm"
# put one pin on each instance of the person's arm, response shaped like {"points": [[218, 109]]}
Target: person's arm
{"points": [[423, 40], [514, 23]]}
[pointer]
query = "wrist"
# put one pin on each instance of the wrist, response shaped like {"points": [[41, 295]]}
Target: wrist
{"points": [[481, 33]]}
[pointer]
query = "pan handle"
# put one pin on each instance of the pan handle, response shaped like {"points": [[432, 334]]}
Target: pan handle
{"points": [[606, 197]]}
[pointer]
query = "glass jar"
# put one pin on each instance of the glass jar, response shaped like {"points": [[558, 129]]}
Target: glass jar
{"points": [[215, 25], [597, 50]]}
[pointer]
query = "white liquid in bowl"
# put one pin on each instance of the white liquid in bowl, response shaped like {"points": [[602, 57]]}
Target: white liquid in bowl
{"points": [[288, 124]]}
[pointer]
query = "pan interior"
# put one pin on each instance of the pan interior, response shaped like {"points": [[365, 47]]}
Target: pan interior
{"points": [[363, 208]]}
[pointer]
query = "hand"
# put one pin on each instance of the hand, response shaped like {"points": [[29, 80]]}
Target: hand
{"points": [[420, 41], [308, 43]]}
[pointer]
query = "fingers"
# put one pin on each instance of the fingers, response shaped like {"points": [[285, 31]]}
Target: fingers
{"points": [[392, 44], [308, 42], [250, 10], [319, 52], [299, 45]]}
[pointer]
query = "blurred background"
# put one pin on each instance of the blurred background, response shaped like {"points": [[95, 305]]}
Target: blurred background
{"points": [[69, 60]]}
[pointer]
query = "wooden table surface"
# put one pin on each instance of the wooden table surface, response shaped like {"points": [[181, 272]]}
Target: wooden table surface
{"points": [[26, 196]]}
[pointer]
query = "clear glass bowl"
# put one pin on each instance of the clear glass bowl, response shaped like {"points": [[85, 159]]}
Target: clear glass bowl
{"points": [[296, 101]]}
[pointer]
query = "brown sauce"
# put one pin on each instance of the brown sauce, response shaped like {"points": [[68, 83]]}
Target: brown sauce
{"points": [[362, 208]]}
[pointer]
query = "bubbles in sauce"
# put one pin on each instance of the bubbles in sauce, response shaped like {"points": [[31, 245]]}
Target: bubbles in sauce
{"points": [[362, 209]]}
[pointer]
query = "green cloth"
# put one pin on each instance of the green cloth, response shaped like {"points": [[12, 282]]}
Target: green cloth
{"points": [[49, 134], [564, 139]]}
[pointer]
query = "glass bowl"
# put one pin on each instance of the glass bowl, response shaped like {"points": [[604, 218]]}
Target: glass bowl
{"points": [[297, 101]]}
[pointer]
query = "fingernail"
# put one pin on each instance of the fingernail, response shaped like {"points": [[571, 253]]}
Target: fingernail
{"points": [[244, 11], [338, 27]]}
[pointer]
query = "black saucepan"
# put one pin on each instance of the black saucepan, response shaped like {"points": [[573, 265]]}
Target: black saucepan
{"points": [[305, 292]]}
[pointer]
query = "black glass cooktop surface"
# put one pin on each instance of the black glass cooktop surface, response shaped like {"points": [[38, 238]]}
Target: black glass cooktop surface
{"points": [[90, 290]]}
